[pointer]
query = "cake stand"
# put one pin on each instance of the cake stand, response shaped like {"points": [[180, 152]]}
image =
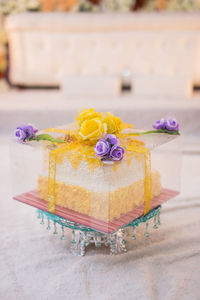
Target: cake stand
{"points": [[83, 236]]}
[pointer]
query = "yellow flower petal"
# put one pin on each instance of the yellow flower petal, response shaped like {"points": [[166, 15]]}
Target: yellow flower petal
{"points": [[114, 124], [87, 114], [91, 129]]}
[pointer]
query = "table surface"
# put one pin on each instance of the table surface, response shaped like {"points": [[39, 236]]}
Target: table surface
{"points": [[35, 264]]}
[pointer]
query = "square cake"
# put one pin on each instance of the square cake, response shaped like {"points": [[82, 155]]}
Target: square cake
{"points": [[105, 192], [97, 168]]}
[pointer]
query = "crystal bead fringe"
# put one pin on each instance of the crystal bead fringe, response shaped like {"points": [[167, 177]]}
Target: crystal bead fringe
{"points": [[82, 236]]}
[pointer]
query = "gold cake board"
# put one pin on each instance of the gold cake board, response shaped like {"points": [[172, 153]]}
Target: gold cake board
{"points": [[31, 198]]}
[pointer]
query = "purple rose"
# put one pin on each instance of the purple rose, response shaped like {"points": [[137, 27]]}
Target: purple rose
{"points": [[25, 132], [102, 148], [109, 150], [172, 124], [116, 153], [169, 124], [112, 139], [160, 124]]}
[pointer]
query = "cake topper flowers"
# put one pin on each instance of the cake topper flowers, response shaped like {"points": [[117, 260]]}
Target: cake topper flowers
{"points": [[170, 125], [116, 153], [92, 129], [25, 132], [28, 132], [97, 134], [167, 126], [93, 125], [108, 149]]}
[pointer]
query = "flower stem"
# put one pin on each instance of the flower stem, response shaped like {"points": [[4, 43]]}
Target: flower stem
{"points": [[156, 131], [47, 137]]}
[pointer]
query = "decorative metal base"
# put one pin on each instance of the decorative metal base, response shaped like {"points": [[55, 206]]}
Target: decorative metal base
{"points": [[83, 236]]}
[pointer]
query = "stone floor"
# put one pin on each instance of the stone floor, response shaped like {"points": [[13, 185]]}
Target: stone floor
{"points": [[37, 265]]}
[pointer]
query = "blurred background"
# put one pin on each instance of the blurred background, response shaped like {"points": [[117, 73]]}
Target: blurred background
{"points": [[137, 58]]}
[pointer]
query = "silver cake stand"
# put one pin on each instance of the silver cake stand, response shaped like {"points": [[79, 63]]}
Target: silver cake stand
{"points": [[83, 236]]}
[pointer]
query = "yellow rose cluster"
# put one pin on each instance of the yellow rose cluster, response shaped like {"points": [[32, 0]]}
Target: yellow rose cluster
{"points": [[93, 124]]}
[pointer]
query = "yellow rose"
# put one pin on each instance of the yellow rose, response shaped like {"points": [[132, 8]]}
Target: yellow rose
{"points": [[87, 114], [114, 124], [91, 129]]}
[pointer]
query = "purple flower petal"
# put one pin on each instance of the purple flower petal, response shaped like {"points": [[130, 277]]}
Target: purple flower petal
{"points": [[102, 148], [160, 124], [116, 153], [112, 139], [25, 132], [172, 124], [20, 134], [30, 130]]}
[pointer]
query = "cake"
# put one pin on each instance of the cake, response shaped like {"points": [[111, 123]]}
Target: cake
{"points": [[105, 193], [98, 168]]}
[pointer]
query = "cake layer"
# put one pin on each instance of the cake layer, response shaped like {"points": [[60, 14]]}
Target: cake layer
{"points": [[103, 205], [102, 179]]}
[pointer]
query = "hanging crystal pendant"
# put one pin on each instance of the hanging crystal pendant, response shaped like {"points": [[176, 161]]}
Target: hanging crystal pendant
{"points": [[155, 223], [55, 228], [158, 218], [133, 233], [146, 232], [86, 239], [121, 242], [63, 233], [98, 239], [73, 237], [48, 224], [113, 244], [82, 247], [38, 214], [42, 221]]}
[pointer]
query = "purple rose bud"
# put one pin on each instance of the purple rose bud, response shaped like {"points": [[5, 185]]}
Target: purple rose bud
{"points": [[25, 132], [20, 134], [112, 139], [30, 131], [172, 124], [160, 124], [102, 148], [116, 153]]}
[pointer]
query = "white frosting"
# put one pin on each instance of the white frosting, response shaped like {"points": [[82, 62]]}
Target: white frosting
{"points": [[102, 179]]}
